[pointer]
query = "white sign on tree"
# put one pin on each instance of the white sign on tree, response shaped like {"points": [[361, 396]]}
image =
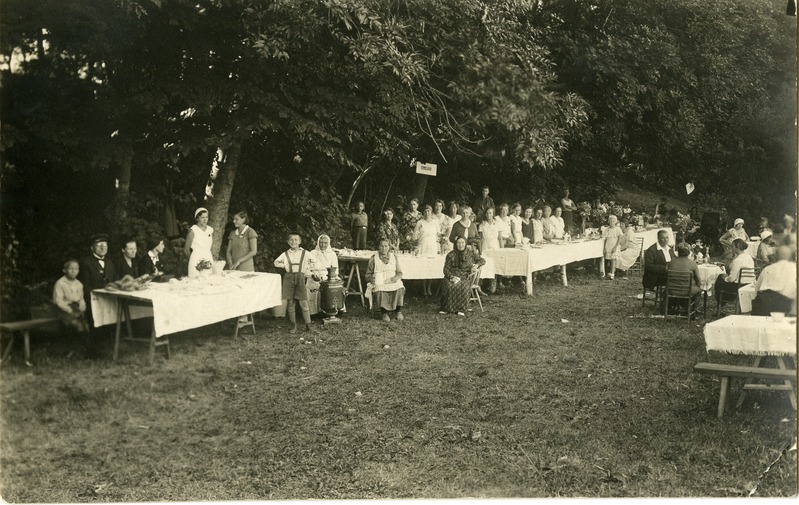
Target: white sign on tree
{"points": [[426, 168]]}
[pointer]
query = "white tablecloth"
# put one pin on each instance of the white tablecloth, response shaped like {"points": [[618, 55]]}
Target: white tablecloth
{"points": [[707, 276], [195, 302], [417, 267], [745, 296], [755, 335]]}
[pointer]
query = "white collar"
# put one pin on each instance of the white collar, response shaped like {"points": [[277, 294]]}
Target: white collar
{"points": [[661, 248], [246, 227]]}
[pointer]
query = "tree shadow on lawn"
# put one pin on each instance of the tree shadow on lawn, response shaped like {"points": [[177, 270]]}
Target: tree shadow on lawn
{"points": [[511, 402]]}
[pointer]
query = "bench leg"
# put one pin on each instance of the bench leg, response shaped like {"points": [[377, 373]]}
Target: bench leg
{"points": [[742, 397], [792, 393], [27, 336], [725, 386], [10, 345]]}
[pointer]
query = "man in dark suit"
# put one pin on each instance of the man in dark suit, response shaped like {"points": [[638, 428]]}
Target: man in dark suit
{"points": [[96, 270], [656, 261]]}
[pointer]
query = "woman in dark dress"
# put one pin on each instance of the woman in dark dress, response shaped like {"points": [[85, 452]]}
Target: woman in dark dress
{"points": [[459, 265]]}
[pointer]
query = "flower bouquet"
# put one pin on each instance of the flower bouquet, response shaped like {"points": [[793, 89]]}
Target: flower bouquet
{"points": [[203, 266]]}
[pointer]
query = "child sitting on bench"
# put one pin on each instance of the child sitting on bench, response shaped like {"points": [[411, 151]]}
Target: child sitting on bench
{"points": [[68, 297]]}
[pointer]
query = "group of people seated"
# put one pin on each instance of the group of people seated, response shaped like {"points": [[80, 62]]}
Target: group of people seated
{"points": [[776, 259]]}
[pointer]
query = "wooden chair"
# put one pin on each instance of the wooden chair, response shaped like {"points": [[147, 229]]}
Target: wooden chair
{"points": [[678, 287], [638, 266], [474, 289], [745, 276], [759, 266]]}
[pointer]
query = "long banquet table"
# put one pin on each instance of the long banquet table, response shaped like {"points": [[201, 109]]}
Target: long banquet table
{"points": [[525, 261], [186, 304]]}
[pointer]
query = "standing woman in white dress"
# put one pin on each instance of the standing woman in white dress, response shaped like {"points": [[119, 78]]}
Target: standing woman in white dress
{"points": [[427, 232], [199, 241]]}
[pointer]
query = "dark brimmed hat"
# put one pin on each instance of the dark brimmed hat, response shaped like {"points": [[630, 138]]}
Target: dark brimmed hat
{"points": [[98, 237]]}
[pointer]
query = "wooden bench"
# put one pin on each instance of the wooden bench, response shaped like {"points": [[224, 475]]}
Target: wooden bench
{"points": [[787, 376], [23, 327]]}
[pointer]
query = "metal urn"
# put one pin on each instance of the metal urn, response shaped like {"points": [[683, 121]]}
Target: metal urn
{"points": [[333, 294]]}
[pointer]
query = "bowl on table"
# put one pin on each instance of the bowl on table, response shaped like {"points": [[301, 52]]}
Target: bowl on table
{"points": [[778, 317]]}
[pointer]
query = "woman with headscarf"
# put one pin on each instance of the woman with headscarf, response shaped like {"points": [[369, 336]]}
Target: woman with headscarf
{"points": [[199, 241], [321, 258], [459, 265]]}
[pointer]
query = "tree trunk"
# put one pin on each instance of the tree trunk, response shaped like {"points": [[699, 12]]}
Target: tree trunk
{"points": [[220, 203], [419, 185], [119, 205]]}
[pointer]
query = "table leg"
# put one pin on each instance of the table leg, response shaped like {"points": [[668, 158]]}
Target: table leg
{"points": [[118, 330], [152, 344], [530, 278], [792, 393], [360, 284], [563, 275], [742, 397], [704, 304]]}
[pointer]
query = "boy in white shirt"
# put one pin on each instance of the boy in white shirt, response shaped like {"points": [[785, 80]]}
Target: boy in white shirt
{"points": [[68, 297]]}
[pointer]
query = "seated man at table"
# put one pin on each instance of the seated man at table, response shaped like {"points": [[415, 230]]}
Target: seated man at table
{"points": [[776, 286], [683, 263], [384, 276], [729, 283], [95, 271], [656, 261]]}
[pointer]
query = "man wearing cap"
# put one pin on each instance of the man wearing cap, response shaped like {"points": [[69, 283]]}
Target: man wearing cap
{"points": [[96, 270], [736, 232]]}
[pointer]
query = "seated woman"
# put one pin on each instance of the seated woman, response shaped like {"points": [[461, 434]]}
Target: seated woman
{"points": [[734, 233], [630, 251], [321, 258], [459, 265], [151, 263], [766, 247], [683, 263], [729, 283], [384, 278]]}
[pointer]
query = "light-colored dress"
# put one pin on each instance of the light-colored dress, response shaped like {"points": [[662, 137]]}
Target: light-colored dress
{"points": [[446, 230], [200, 248], [427, 235], [489, 239], [503, 224], [630, 251], [516, 228], [612, 236]]}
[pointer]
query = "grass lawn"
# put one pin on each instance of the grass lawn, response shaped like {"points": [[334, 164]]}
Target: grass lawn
{"points": [[512, 402]]}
